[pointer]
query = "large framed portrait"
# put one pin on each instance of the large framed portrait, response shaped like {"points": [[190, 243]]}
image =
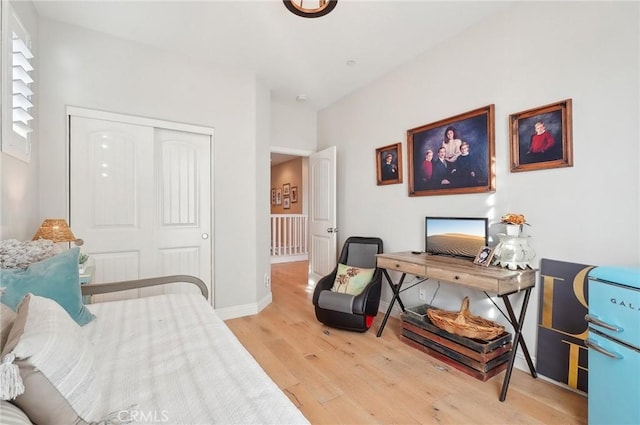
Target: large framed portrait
{"points": [[389, 164], [541, 137], [453, 156]]}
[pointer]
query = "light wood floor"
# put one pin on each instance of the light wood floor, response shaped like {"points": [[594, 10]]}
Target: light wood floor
{"points": [[339, 377]]}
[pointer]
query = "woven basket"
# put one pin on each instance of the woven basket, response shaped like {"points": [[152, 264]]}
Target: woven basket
{"points": [[465, 324]]}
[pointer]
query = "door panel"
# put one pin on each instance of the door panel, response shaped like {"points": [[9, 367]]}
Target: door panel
{"points": [[183, 204], [322, 217], [140, 198], [114, 267]]}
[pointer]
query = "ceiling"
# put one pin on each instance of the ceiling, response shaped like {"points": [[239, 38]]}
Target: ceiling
{"points": [[322, 59]]}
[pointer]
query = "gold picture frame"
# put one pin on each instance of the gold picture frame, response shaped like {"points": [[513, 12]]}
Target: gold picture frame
{"points": [[389, 164], [454, 155], [541, 138]]}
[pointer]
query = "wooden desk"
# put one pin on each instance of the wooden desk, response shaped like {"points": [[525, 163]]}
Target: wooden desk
{"points": [[462, 271]]}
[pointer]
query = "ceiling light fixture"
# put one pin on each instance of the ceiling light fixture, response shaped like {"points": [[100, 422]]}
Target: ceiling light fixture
{"points": [[310, 8]]}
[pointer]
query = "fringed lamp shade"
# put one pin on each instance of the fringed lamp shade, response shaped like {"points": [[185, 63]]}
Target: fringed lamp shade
{"points": [[56, 230]]}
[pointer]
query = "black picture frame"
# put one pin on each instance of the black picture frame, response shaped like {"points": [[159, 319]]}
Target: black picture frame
{"points": [[464, 173]]}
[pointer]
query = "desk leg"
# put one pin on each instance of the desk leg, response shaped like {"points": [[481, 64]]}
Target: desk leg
{"points": [[518, 340], [396, 296]]}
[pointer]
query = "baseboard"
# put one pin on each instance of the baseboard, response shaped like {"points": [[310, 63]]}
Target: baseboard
{"points": [[276, 259], [245, 309]]}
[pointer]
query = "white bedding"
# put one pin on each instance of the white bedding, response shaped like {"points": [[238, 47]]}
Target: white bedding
{"points": [[171, 359]]}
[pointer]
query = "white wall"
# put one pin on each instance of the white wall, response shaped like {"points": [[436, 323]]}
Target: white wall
{"points": [[531, 55], [19, 215], [88, 69], [262, 194], [293, 125]]}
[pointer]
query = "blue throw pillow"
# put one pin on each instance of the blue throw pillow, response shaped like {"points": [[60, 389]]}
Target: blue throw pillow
{"points": [[56, 277]]}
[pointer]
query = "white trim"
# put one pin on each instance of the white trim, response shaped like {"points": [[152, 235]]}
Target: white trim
{"points": [[290, 151], [133, 119], [288, 258], [244, 310]]}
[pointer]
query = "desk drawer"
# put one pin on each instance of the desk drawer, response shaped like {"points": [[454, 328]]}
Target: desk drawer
{"points": [[402, 266], [483, 283]]}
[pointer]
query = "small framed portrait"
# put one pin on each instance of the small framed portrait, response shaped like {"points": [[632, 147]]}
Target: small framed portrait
{"points": [[454, 155], [389, 164], [541, 138], [294, 194], [286, 202], [484, 257], [273, 196], [278, 196], [286, 189]]}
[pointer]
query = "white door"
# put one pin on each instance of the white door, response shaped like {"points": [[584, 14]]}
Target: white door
{"points": [[322, 213], [140, 197]]}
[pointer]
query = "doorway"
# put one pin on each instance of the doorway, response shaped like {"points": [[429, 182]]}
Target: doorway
{"points": [[319, 177]]}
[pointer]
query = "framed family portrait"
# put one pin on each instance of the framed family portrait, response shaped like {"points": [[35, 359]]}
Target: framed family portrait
{"points": [[454, 155], [286, 203], [541, 138], [294, 194], [389, 164], [286, 188]]}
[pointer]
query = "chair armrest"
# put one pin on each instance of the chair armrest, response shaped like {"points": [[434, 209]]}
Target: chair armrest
{"points": [[336, 301], [368, 300], [103, 288], [324, 284]]}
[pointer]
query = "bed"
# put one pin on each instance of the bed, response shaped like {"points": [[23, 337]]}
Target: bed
{"points": [[159, 359]]}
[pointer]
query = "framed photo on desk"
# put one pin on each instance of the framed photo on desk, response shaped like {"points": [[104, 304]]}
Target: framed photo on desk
{"points": [[484, 256]]}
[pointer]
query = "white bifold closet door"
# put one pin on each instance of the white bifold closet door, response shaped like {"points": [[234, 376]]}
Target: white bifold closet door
{"points": [[140, 198]]}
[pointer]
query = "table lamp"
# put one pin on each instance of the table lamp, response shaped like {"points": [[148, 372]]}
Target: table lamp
{"points": [[56, 230]]}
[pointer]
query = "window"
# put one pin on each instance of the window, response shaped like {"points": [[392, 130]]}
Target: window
{"points": [[17, 80]]}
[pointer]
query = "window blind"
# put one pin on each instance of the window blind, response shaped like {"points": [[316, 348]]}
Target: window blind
{"points": [[21, 80]]}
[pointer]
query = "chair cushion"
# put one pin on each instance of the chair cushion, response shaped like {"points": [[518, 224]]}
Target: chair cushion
{"points": [[351, 280], [56, 363], [362, 255], [56, 277]]}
